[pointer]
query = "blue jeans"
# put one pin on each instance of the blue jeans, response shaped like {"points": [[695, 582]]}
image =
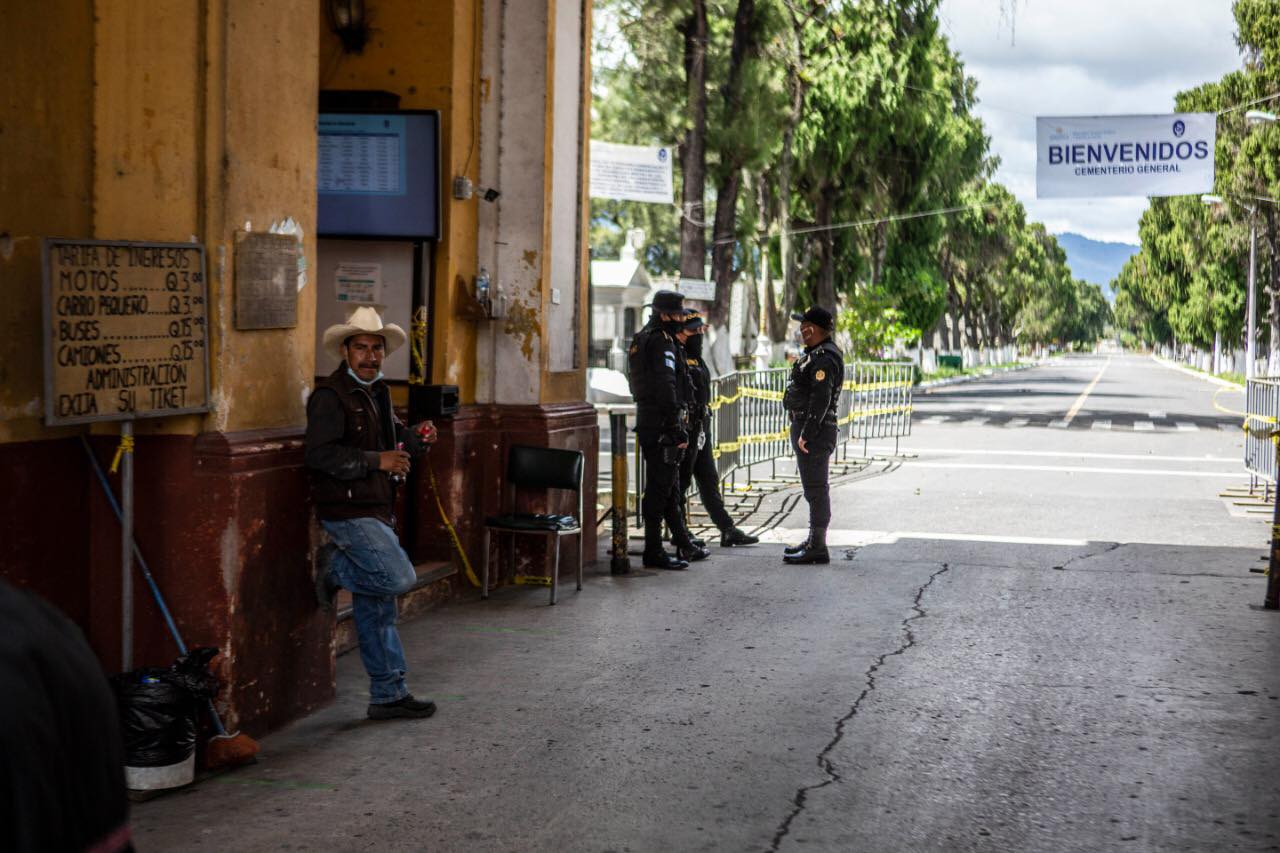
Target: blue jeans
{"points": [[371, 563]]}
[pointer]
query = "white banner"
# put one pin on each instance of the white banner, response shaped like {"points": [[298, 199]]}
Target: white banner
{"points": [[1090, 156], [631, 172], [698, 289]]}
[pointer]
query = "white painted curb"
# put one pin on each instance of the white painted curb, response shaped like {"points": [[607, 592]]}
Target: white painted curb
{"points": [[973, 377], [1173, 365]]}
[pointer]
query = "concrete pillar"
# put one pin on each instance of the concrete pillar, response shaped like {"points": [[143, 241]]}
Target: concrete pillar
{"points": [[532, 151]]}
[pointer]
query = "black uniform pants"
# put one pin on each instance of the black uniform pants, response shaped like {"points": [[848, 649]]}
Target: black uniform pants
{"points": [[661, 500], [815, 467], [701, 466]]}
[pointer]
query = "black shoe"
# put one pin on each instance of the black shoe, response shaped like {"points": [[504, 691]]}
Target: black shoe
{"points": [[692, 552], [734, 537], [795, 549], [701, 543], [810, 555], [326, 586], [406, 708], [663, 560]]}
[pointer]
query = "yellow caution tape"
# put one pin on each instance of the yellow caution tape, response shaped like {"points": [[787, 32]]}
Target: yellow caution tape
{"points": [[1266, 420], [783, 435], [777, 396], [761, 394], [533, 580], [873, 413], [125, 446], [754, 393], [724, 401], [880, 386], [448, 525]]}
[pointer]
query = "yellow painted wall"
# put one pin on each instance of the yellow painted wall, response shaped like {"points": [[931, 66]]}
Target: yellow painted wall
{"points": [[46, 177], [424, 51], [202, 119], [266, 172]]}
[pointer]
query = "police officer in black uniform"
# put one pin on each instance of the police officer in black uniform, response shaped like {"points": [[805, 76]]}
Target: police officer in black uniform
{"points": [[660, 385], [699, 460], [812, 396]]}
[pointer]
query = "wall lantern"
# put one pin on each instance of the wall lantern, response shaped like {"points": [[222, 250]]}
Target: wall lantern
{"points": [[349, 22]]}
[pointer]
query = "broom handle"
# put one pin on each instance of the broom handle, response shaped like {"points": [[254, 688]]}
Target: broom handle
{"points": [[146, 572]]}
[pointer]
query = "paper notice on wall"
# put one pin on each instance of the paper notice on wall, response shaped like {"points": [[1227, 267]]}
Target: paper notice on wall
{"points": [[358, 283], [631, 172], [698, 289]]}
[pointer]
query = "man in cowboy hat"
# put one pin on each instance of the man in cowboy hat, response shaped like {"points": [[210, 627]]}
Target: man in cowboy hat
{"points": [[355, 448], [811, 399]]}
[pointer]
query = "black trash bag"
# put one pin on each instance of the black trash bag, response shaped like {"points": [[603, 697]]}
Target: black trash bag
{"points": [[158, 708]]}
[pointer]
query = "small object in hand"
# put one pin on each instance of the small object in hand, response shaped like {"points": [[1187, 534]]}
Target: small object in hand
{"points": [[397, 477], [427, 432]]}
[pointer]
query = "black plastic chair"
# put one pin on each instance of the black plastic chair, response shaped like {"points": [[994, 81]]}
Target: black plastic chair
{"points": [[539, 468]]}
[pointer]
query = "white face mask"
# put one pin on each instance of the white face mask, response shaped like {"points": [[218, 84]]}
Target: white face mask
{"points": [[361, 381]]}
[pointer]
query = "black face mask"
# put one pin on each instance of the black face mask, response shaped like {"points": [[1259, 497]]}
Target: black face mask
{"points": [[693, 346], [673, 327]]}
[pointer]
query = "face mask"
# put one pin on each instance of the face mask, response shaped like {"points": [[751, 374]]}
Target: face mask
{"points": [[361, 381], [672, 327], [693, 346]]}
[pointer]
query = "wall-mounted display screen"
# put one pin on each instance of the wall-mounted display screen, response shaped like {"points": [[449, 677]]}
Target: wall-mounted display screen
{"points": [[378, 175]]}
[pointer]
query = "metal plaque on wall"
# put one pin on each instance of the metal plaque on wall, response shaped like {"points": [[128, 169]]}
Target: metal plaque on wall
{"points": [[125, 330], [266, 281]]}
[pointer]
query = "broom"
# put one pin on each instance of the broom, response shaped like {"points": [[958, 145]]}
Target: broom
{"points": [[223, 749]]}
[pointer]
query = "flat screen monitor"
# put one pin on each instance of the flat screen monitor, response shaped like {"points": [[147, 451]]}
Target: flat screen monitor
{"points": [[378, 175]]}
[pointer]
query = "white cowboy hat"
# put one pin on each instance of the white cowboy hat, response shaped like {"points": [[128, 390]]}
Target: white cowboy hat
{"points": [[363, 320]]}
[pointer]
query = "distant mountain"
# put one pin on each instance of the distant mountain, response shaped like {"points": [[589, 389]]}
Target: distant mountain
{"points": [[1093, 260]]}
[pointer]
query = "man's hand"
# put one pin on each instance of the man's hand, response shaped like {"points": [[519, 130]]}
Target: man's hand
{"points": [[393, 461], [800, 443], [683, 446], [426, 432]]}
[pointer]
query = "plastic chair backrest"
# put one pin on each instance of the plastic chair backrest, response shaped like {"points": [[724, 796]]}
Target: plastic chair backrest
{"points": [[544, 468]]}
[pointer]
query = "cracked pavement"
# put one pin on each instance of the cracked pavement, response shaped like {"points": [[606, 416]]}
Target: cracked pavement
{"points": [[1010, 660]]}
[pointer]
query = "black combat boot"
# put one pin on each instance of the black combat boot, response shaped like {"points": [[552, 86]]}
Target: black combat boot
{"points": [[663, 560], [686, 547], [654, 555], [815, 550], [734, 537], [795, 549], [692, 552]]}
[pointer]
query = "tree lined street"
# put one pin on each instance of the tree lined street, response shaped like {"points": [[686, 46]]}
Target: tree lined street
{"points": [[828, 153]]}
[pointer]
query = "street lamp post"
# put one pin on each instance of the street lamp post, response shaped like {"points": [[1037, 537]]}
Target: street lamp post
{"points": [[1250, 344]]}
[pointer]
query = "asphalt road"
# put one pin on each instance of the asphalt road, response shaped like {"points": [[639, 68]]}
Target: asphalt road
{"points": [[1034, 637], [1141, 459]]}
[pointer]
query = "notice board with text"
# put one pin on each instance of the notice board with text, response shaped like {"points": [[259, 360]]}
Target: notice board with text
{"points": [[125, 330]]}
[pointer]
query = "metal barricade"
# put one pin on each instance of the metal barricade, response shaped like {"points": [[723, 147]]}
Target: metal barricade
{"points": [[750, 426], [1262, 405], [879, 401]]}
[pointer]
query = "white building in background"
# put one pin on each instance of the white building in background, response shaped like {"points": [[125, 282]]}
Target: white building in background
{"points": [[619, 291]]}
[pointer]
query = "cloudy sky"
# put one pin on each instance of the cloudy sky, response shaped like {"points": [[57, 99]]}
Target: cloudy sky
{"points": [[1083, 57]]}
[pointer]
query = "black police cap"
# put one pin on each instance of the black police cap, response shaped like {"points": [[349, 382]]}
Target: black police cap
{"points": [[668, 302], [818, 316], [693, 321]]}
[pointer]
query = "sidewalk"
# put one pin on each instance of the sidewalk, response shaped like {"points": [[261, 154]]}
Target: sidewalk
{"points": [[915, 695]]}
